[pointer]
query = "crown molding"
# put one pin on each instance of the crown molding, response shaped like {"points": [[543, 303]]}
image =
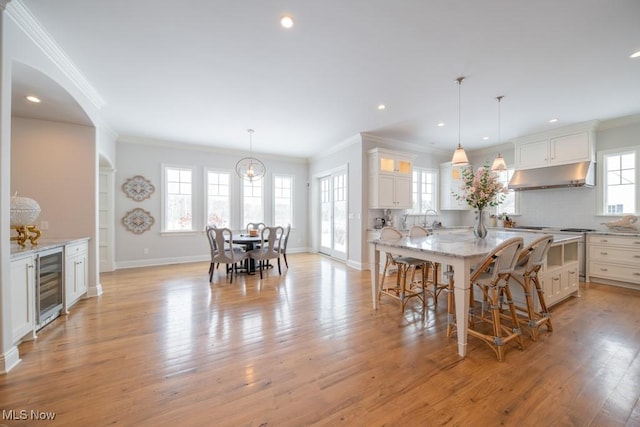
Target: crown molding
{"points": [[19, 13], [328, 151], [403, 145], [187, 146], [619, 122]]}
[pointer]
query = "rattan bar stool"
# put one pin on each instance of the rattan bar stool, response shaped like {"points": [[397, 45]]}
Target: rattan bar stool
{"points": [[491, 276], [526, 274], [403, 289], [432, 270]]}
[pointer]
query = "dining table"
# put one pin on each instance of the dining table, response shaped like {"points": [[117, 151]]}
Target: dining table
{"points": [[249, 242], [459, 250]]}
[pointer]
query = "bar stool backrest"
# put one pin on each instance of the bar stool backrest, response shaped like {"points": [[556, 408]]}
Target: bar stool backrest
{"points": [[502, 259], [533, 256], [390, 233], [418, 231]]}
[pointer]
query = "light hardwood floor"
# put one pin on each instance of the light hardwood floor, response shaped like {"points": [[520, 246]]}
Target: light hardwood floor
{"points": [[163, 347]]}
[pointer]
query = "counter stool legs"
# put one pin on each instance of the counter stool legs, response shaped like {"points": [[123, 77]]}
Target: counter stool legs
{"points": [[541, 318]]}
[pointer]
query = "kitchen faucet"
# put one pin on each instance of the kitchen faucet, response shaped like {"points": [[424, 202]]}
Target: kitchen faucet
{"points": [[427, 212]]}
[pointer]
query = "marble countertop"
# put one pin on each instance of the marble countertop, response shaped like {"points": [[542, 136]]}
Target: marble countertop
{"points": [[452, 227], [464, 245], [43, 245]]}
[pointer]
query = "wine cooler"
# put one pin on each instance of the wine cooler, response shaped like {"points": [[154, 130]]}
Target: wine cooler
{"points": [[49, 286]]}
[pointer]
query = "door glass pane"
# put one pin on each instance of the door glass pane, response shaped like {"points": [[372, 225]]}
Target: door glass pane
{"points": [[340, 213], [325, 213]]}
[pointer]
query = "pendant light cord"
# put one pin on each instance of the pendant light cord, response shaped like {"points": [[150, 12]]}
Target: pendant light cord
{"points": [[499, 98], [459, 80]]}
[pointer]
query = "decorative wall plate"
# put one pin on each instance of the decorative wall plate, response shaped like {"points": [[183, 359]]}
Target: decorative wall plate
{"points": [[138, 221], [138, 188]]}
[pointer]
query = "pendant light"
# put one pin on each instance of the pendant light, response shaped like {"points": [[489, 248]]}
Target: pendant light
{"points": [[499, 163], [250, 168], [459, 156]]}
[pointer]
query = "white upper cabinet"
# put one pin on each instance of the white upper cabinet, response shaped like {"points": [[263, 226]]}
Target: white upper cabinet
{"points": [[390, 175], [451, 182], [564, 146]]}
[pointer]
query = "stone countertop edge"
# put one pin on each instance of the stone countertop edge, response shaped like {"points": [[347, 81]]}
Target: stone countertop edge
{"points": [[43, 245], [615, 233]]}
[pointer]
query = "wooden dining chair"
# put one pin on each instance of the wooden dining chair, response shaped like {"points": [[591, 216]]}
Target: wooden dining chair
{"points": [[270, 248], [405, 287], [492, 276], [225, 252], [526, 275]]}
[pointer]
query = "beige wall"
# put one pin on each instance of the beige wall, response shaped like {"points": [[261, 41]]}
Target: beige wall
{"points": [[54, 164]]}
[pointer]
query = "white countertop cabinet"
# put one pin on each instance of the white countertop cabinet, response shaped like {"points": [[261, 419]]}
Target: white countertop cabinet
{"points": [[614, 258], [390, 175], [24, 281], [23, 303], [76, 272], [559, 276]]}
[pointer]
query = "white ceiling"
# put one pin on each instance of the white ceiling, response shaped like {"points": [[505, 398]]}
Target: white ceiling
{"points": [[204, 71]]}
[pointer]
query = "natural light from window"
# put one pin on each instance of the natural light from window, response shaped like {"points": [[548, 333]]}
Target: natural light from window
{"points": [[620, 187], [178, 200], [218, 198]]}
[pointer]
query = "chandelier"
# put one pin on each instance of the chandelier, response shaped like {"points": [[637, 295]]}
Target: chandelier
{"points": [[250, 168]]}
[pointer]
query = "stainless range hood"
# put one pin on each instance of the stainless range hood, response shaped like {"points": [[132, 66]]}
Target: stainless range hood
{"points": [[573, 175]]}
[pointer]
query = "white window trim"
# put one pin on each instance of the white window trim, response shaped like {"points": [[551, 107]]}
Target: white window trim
{"points": [[273, 189], [436, 188], [516, 201], [205, 202], [163, 199], [602, 179]]}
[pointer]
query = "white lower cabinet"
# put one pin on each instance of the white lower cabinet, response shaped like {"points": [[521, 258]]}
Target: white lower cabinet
{"points": [[76, 272], [559, 276], [614, 258], [23, 304]]}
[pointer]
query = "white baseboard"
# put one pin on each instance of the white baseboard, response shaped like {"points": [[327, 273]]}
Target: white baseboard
{"points": [[9, 360]]}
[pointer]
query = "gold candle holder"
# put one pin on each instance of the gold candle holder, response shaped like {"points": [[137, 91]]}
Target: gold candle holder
{"points": [[25, 232]]}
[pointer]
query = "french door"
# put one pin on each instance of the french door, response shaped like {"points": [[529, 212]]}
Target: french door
{"points": [[333, 214]]}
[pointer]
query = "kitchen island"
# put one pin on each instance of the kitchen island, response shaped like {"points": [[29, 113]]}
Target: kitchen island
{"points": [[462, 250]]}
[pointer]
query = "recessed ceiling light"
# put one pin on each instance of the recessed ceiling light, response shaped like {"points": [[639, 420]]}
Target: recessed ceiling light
{"points": [[286, 21], [32, 98], [553, 120], [381, 106], [485, 138], [440, 124], [635, 55]]}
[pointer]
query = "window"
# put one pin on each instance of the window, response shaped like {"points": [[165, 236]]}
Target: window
{"points": [[424, 189], [282, 200], [509, 204], [252, 201], [619, 183], [218, 198], [178, 202]]}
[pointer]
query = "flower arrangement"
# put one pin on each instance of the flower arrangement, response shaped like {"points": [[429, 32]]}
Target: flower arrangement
{"points": [[482, 188]]}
